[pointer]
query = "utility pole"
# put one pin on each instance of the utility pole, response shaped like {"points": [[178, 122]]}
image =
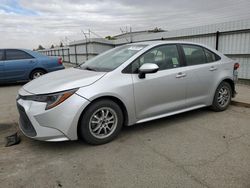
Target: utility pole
{"points": [[67, 40], [95, 34], [86, 44], [131, 38]]}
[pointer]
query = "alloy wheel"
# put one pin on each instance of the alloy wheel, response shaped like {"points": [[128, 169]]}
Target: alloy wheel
{"points": [[37, 74], [223, 96], [103, 122]]}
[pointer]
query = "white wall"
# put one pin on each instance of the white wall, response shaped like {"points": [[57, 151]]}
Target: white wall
{"points": [[234, 41]]}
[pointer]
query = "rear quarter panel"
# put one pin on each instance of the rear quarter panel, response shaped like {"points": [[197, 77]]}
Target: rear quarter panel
{"points": [[49, 64], [225, 67]]}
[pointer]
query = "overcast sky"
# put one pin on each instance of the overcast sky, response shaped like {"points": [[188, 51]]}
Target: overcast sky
{"points": [[28, 23]]}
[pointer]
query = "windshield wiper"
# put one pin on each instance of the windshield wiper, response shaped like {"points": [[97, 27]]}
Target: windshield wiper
{"points": [[89, 68], [77, 66]]}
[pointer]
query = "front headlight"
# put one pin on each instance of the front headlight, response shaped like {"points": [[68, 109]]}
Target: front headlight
{"points": [[53, 99]]}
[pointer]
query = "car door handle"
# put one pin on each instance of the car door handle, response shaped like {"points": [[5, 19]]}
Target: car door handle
{"points": [[31, 61], [180, 75], [213, 68]]}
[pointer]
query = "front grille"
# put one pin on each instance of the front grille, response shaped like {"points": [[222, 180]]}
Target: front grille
{"points": [[25, 123]]}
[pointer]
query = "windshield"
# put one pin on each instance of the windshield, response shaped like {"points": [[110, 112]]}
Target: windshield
{"points": [[112, 59]]}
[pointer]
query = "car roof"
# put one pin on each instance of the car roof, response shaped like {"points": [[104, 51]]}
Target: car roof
{"points": [[13, 49], [157, 42], [33, 53]]}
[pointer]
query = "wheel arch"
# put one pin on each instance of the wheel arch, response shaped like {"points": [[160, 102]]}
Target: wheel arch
{"points": [[35, 69], [225, 79], [107, 97], [231, 83]]}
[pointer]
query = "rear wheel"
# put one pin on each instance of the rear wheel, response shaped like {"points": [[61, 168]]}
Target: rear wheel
{"points": [[222, 97], [37, 73], [101, 122]]}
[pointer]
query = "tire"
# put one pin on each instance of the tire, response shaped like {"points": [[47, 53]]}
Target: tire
{"points": [[222, 97], [96, 125], [36, 73]]}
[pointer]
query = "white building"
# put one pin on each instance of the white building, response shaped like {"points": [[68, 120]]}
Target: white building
{"points": [[230, 38]]}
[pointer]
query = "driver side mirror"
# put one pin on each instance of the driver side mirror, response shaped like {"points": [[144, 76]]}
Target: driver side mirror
{"points": [[147, 68]]}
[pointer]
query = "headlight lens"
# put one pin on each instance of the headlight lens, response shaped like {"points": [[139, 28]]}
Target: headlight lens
{"points": [[53, 99]]}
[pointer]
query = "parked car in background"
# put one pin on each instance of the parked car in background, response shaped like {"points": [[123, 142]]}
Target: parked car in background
{"points": [[126, 85], [17, 65]]}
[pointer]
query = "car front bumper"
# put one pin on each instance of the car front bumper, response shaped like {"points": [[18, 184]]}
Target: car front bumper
{"points": [[56, 124]]}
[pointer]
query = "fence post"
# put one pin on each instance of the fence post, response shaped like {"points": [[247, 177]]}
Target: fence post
{"points": [[63, 54], [75, 55], [217, 40], [87, 53], [69, 55]]}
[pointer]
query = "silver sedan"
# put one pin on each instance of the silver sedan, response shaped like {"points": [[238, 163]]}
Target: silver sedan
{"points": [[126, 85]]}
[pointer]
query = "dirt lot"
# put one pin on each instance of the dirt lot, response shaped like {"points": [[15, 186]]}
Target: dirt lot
{"points": [[201, 148]]}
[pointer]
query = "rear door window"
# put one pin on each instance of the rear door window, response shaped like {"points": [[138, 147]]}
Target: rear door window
{"points": [[195, 55], [17, 54]]}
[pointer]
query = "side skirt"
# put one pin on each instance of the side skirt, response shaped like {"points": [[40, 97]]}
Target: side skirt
{"points": [[170, 114]]}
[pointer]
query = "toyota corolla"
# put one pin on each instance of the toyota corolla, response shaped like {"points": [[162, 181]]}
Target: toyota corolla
{"points": [[126, 85]]}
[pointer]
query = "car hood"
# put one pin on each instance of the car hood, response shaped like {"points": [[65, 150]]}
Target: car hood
{"points": [[62, 80]]}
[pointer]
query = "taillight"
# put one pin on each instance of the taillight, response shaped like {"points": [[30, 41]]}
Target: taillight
{"points": [[236, 66], [60, 61]]}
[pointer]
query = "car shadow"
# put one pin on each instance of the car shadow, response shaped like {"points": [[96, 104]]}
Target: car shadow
{"points": [[12, 84], [127, 132], [165, 121]]}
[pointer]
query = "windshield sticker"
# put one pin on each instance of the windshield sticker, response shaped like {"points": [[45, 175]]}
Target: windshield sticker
{"points": [[135, 48]]}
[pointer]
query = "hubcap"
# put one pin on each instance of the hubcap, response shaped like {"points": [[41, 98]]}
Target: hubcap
{"points": [[37, 74], [103, 122], [223, 97]]}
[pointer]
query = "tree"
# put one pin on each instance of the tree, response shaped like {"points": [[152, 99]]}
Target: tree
{"points": [[109, 38], [61, 44], [157, 30], [40, 47], [52, 46]]}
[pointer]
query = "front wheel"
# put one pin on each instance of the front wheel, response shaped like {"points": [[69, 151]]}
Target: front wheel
{"points": [[222, 97], [101, 122]]}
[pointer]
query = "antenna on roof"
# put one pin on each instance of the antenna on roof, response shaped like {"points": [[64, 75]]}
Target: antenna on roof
{"points": [[95, 34], [86, 39], [121, 30]]}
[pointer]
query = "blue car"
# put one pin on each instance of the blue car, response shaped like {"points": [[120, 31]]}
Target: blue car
{"points": [[18, 65]]}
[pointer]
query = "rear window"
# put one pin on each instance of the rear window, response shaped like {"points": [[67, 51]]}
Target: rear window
{"points": [[17, 54], [211, 57]]}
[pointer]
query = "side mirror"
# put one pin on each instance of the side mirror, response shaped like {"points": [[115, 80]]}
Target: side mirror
{"points": [[147, 68]]}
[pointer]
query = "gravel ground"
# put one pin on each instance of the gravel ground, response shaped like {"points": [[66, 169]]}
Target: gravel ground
{"points": [[200, 148]]}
